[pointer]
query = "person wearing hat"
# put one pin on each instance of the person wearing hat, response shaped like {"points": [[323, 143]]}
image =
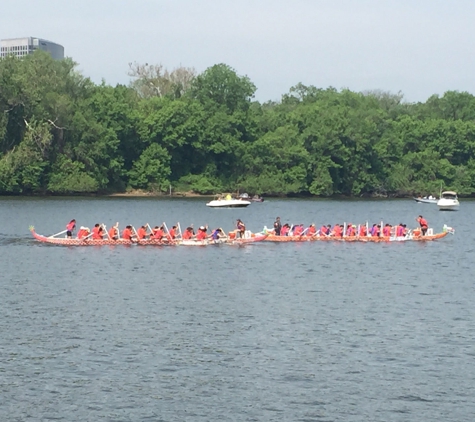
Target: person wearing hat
{"points": [[201, 235], [311, 231], [82, 233]]}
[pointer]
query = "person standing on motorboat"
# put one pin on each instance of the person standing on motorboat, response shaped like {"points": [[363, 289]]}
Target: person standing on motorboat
{"points": [[423, 223], [277, 226]]}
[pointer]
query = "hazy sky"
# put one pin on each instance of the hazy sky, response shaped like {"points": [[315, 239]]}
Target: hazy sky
{"points": [[419, 47]]}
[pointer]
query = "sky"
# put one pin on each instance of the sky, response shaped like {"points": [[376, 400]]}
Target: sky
{"points": [[416, 47]]}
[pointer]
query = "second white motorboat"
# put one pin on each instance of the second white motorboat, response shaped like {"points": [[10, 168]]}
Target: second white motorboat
{"points": [[228, 203], [448, 201]]}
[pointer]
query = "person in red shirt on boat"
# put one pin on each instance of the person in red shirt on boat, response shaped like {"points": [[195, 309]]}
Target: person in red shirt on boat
{"points": [[97, 232], [201, 235], [337, 231], [298, 229], [157, 233], [83, 232], [423, 223], [350, 230], [284, 231], [172, 233], [311, 230], [114, 232], [401, 230], [376, 230], [142, 233], [362, 231], [127, 233], [188, 234], [387, 230], [70, 228]]}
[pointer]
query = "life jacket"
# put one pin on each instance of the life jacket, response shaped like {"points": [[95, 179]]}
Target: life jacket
{"points": [[113, 233], [423, 223], [362, 231], [158, 234], [127, 234], [141, 233], [201, 235], [171, 234], [387, 231], [70, 226], [186, 235], [311, 231]]}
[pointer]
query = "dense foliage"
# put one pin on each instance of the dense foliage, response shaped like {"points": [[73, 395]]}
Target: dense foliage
{"points": [[62, 134]]}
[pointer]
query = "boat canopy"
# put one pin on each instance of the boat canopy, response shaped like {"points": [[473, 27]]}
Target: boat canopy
{"points": [[449, 193]]}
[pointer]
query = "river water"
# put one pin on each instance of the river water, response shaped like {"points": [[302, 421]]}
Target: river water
{"points": [[297, 332]]}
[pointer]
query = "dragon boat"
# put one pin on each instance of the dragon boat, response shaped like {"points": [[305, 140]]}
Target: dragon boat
{"points": [[415, 236], [147, 242]]}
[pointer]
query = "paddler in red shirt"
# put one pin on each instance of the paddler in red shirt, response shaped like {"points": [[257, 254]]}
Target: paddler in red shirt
{"points": [[172, 233], [423, 223], [114, 232], [201, 235], [284, 231], [97, 232], [142, 233], [157, 233], [83, 232], [362, 232], [127, 233], [311, 231], [337, 231], [387, 230], [350, 230], [188, 234]]}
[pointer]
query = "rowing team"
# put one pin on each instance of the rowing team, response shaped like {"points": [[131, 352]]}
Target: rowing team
{"points": [[144, 232], [340, 230]]}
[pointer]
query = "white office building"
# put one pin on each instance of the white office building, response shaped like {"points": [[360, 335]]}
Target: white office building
{"points": [[20, 47]]}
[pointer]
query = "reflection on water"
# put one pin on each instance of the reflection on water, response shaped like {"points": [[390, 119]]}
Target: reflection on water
{"points": [[314, 331]]}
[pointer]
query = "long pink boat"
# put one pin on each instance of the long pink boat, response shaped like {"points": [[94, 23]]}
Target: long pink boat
{"points": [[149, 242]]}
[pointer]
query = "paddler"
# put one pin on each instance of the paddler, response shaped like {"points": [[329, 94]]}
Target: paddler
{"points": [[83, 232], [157, 233], [362, 232], [387, 230], [285, 230], [172, 233], [201, 235], [97, 232], [127, 233], [142, 233], [217, 234], [70, 228], [423, 223], [188, 234], [350, 230], [311, 230], [114, 232]]}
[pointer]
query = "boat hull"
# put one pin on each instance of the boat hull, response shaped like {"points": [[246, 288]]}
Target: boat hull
{"points": [[426, 201], [149, 242], [228, 203], [365, 239]]}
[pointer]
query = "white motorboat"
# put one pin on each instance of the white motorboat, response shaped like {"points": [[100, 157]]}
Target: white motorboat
{"points": [[448, 201], [228, 203], [426, 200]]}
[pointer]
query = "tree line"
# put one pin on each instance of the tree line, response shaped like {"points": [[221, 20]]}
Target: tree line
{"points": [[62, 134]]}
